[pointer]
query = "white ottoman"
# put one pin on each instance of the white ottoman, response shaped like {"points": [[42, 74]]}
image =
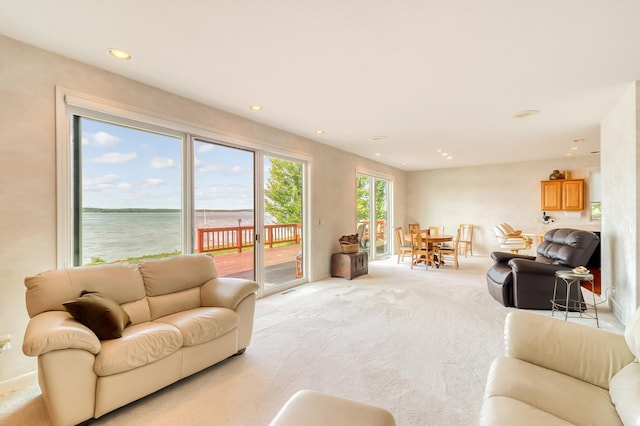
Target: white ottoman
{"points": [[310, 408]]}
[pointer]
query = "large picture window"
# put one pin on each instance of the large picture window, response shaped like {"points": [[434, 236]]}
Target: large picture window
{"points": [[128, 192]]}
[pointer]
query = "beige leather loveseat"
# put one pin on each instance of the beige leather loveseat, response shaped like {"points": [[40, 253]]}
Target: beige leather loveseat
{"points": [[562, 373], [182, 318]]}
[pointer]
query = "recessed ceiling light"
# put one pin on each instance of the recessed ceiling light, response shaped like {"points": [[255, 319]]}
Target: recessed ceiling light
{"points": [[573, 148], [378, 154], [319, 132], [449, 158], [526, 113], [377, 138], [255, 107], [579, 140], [444, 154], [438, 150], [119, 54], [569, 154]]}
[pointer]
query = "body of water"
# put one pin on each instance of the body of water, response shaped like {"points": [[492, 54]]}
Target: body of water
{"points": [[117, 235]]}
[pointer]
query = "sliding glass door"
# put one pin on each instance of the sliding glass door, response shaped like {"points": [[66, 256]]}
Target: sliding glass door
{"points": [[283, 222], [373, 205], [226, 222], [224, 207], [139, 191]]}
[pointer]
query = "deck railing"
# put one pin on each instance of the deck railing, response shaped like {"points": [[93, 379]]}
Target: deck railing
{"points": [[381, 226], [242, 237]]}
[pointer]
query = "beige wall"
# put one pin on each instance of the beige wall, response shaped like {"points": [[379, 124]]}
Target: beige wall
{"points": [[619, 144], [479, 195], [28, 78], [489, 195]]}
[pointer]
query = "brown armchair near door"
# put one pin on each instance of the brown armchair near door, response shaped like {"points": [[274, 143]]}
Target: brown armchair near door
{"points": [[527, 282]]}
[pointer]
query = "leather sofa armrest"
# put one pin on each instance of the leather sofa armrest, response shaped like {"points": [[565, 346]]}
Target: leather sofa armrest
{"points": [[57, 330], [504, 257], [533, 267], [226, 292], [588, 354]]}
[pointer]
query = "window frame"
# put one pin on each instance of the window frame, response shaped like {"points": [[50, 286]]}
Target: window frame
{"points": [[70, 102]]}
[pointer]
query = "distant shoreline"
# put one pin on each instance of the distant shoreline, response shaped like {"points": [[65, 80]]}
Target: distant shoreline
{"points": [[143, 210]]}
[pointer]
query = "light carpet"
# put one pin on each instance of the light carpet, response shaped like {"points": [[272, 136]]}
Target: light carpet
{"points": [[417, 343]]}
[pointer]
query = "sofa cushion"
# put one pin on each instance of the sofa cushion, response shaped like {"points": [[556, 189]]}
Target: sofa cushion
{"points": [[502, 410], [202, 324], [555, 393], [139, 345], [101, 314], [167, 304], [47, 291], [177, 273], [625, 393]]}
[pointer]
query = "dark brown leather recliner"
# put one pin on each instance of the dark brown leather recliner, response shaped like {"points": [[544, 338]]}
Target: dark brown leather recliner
{"points": [[527, 282]]}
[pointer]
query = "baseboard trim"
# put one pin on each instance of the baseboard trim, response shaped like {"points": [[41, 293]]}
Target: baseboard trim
{"points": [[619, 311], [19, 382]]}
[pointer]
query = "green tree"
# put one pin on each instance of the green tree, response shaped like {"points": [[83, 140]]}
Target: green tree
{"points": [[364, 197], [362, 203], [283, 193]]}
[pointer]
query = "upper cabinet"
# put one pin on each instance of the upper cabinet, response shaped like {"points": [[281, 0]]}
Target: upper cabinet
{"points": [[565, 194]]}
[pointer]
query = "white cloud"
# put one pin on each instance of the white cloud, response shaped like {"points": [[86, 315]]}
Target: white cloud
{"points": [[237, 169], [162, 163], [105, 139], [152, 182], [210, 168], [94, 183], [115, 157], [205, 147], [240, 191], [100, 139]]}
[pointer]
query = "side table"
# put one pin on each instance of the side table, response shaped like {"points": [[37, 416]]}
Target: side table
{"points": [[349, 265], [570, 278]]}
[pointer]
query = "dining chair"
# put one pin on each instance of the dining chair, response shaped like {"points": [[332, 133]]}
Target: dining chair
{"points": [[404, 247], [413, 226], [465, 241], [436, 230], [450, 251], [421, 249]]}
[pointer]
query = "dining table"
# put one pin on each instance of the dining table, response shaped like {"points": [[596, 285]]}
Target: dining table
{"points": [[434, 239]]}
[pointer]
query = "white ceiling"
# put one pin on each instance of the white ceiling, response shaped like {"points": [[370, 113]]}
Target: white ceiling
{"points": [[426, 74]]}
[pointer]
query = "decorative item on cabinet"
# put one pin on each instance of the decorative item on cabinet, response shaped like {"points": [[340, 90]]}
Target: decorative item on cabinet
{"points": [[555, 175]]}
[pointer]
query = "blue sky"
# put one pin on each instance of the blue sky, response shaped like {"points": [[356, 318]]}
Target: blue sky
{"points": [[125, 167]]}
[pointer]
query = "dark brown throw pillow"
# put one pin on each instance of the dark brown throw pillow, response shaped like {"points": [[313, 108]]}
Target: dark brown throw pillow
{"points": [[102, 315]]}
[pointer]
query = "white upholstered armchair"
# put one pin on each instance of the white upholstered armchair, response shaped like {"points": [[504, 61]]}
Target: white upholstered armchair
{"points": [[511, 239]]}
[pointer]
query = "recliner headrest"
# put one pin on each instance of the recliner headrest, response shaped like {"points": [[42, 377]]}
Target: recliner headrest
{"points": [[566, 246]]}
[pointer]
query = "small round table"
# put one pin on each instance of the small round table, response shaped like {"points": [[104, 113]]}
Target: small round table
{"points": [[570, 278]]}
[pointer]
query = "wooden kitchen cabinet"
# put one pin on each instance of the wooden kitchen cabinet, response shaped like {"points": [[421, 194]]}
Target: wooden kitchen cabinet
{"points": [[565, 194]]}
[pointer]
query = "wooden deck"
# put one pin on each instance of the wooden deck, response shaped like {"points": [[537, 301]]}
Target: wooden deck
{"points": [[280, 264]]}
